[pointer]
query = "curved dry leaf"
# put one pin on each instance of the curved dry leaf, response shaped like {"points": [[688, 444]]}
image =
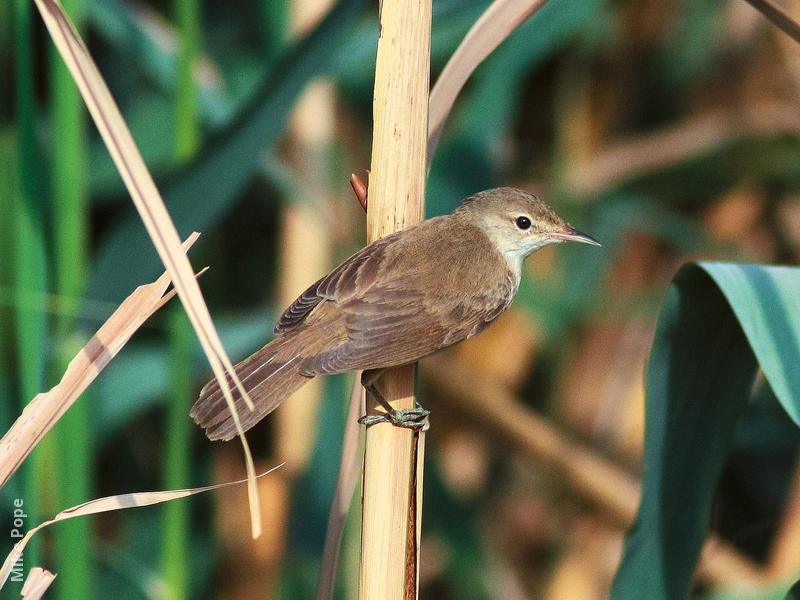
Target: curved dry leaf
{"points": [[47, 408], [496, 24], [109, 503], [36, 583], [150, 205]]}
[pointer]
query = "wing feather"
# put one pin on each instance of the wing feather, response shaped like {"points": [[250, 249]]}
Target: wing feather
{"points": [[339, 284], [397, 329], [393, 304]]}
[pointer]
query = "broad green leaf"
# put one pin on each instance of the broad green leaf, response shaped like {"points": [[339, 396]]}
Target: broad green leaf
{"points": [[719, 323], [766, 301], [770, 593]]}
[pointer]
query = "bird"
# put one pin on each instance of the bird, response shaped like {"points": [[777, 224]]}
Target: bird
{"points": [[398, 299]]}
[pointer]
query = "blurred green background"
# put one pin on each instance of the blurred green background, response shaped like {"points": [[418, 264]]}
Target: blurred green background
{"points": [[669, 131]]}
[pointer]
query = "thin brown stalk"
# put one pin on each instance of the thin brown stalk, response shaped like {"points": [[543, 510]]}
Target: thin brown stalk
{"points": [[389, 531], [778, 17], [629, 158], [349, 464]]}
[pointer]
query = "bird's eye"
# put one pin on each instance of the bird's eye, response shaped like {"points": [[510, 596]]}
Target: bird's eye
{"points": [[523, 222]]}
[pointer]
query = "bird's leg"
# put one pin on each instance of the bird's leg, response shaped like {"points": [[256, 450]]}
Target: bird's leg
{"points": [[411, 418]]}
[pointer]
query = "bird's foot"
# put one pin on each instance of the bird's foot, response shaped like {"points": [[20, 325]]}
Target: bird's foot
{"points": [[410, 418]]}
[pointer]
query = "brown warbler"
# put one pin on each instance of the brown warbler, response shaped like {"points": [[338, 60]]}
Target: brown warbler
{"points": [[398, 299]]}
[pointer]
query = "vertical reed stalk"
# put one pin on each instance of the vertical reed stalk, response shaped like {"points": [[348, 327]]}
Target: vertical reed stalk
{"points": [[29, 257], [393, 456], [70, 212]]}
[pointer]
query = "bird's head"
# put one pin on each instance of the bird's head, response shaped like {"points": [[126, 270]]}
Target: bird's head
{"points": [[518, 223]]}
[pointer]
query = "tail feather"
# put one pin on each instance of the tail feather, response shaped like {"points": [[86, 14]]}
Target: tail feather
{"points": [[269, 376]]}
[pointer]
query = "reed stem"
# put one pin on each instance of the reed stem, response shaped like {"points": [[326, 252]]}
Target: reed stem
{"points": [[393, 456]]}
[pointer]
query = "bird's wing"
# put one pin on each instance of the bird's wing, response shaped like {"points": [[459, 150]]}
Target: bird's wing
{"points": [[336, 285], [396, 325], [390, 305]]}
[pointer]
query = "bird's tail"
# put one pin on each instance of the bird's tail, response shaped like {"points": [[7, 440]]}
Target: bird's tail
{"points": [[269, 376]]}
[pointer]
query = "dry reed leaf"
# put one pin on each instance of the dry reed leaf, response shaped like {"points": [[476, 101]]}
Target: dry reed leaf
{"points": [[47, 408], [37, 583], [496, 24], [151, 208], [109, 503]]}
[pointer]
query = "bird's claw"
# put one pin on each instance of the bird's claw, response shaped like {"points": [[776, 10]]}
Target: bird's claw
{"points": [[409, 418]]}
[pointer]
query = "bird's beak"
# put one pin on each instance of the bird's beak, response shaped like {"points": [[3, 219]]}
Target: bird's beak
{"points": [[570, 234]]}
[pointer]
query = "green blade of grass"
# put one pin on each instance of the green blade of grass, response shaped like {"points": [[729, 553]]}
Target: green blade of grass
{"points": [[718, 324], [29, 253], [72, 438], [187, 123], [9, 184], [70, 230], [175, 537]]}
